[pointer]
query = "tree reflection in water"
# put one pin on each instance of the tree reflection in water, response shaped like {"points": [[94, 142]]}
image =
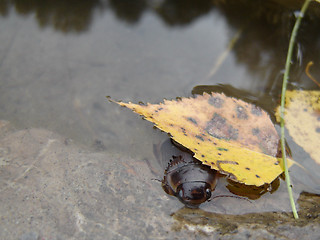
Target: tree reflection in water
{"points": [[262, 46]]}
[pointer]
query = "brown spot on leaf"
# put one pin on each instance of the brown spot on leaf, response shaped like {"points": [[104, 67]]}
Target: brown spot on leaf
{"points": [[190, 119], [219, 128], [256, 110], [200, 137], [233, 133], [216, 102], [222, 149], [255, 131], [241, 112]]}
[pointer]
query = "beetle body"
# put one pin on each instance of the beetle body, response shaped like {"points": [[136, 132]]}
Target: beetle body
{"points": [[185, 177]]}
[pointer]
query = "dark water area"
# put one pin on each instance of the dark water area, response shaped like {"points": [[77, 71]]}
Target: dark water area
{"points": [[59, 59]]}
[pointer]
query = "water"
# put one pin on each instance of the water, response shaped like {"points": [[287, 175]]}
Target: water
{"points": [[58, 61]]}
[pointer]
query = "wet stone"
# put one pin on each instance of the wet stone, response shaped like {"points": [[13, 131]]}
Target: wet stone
{"points": [[98, 145], [66, 192], [29, 236]]}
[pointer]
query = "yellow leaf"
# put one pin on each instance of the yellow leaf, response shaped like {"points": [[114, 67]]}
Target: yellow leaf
{"points": [[229, 135], [302, 119]]}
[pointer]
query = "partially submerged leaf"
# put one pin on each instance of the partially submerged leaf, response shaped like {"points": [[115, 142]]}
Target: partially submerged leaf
{"points": [[302, 119], [231, 136]]}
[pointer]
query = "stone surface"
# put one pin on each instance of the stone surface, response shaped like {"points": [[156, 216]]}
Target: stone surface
{"points": [[51, 188]]}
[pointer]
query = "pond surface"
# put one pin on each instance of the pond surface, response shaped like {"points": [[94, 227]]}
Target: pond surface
{"points": [[58, 61]]}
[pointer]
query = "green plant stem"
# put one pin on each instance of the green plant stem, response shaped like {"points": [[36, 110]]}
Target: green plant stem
{"points": [[283, 95]]}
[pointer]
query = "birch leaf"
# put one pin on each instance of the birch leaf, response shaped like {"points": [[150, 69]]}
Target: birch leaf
{"points": [[229, 135], [302, 119]]}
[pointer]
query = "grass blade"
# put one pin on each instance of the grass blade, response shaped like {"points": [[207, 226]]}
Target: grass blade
{"points": [[284, 88]]}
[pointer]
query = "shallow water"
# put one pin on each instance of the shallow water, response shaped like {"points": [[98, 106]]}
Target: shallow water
{"points": [[59, 60]]}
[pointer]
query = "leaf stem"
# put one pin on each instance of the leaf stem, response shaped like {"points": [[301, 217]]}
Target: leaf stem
{"points": [[284, 88]]}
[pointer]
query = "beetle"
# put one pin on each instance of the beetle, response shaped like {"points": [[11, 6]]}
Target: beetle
{"points": [[185, 177]]}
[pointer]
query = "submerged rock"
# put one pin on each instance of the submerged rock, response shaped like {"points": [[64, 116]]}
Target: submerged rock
{"points": [[53, 190]]}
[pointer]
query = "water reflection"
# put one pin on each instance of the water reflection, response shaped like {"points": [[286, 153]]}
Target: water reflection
{"points": [[180, 12], [261, 47], [77, 15], [180, 58], [128, 11], [64, 16]]}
